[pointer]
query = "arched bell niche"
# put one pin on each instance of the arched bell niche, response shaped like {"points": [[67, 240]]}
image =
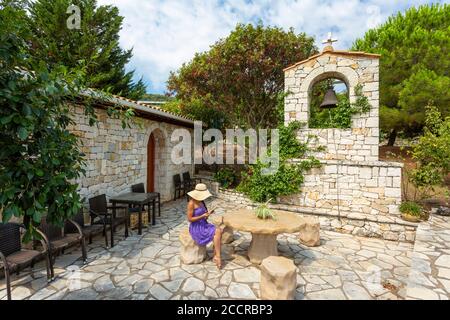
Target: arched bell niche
{"points": [[345, 70], [327, 97]]}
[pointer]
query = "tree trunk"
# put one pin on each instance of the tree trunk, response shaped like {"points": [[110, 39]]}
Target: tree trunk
{"points": [[392, 137]]}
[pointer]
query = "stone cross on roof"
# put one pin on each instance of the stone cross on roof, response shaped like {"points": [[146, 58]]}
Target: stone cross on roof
{"points": [[329, 42]]}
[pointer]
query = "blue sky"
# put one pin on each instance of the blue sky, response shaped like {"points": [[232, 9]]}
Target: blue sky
{"points": [[166, 33]]}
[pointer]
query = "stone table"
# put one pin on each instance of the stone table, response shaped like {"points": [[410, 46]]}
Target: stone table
{"points": [[264, 232]]}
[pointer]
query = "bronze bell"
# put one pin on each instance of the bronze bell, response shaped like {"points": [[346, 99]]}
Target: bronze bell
{"points": [[330, 100]]}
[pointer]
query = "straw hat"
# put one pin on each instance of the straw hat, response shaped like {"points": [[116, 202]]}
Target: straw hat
{"points": [[200, 192]]}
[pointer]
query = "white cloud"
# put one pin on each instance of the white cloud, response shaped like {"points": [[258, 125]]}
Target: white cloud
{"points": [[166, 33]]}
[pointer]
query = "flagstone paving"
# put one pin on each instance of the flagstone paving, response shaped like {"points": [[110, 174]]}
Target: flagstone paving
{"points": [[343, 267]]}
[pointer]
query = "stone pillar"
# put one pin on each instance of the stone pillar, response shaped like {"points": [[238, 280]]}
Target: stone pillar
{"points": [[278, 279], [191, 252], [214, 188], [309, 233], [262, 246]]}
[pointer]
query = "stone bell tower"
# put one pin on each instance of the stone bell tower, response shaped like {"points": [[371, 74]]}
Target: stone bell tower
{"points": [[358, 143], [352, 191]]}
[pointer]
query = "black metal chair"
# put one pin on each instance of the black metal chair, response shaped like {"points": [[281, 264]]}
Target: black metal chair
{"points": [[58, 241], [188, 182], [98, 207], [89, 231], [179, 186], [14, 258], [140, 188]]}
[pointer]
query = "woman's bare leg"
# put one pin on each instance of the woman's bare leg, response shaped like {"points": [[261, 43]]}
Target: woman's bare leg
{"points": [[217, 247]]}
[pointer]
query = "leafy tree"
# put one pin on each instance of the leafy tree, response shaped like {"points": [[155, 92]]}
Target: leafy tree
{"points": [[156, 97], [431, 153], [195, 109], [96, 44], [39, 157], [414, 66], [242, 76]]}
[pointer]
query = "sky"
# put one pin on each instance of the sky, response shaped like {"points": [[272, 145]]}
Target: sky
{"points": [[166, 33]]}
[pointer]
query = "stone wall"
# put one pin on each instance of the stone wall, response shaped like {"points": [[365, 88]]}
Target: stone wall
{"points": [[360, 143], [117, 157], [361, 192], [364, 188], [377, 226]]}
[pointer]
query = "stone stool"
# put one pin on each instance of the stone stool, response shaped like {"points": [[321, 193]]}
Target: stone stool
{"points": [[214, 188], [227, 232], [309, 233], [191, 252], [278, 278]]}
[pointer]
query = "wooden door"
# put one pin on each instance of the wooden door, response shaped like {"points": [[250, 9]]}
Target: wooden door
{"points": [[151, 164]]}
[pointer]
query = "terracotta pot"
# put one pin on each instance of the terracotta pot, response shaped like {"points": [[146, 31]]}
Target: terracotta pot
{"points": [[410, 218]]}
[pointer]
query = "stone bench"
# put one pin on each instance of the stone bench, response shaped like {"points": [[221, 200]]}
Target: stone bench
{"points": [[227, 232], [191, 252], [309, 233], [278, 278]]}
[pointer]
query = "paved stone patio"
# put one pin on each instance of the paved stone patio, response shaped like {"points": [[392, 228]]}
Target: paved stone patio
{"points": [[343, 267]]}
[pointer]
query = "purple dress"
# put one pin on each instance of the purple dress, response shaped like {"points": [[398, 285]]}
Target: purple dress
{"points": [[201, 231]]}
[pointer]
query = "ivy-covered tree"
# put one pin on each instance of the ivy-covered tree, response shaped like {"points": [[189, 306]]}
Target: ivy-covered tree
{"points": [[95, 44], [414, 66], [241, 76]]}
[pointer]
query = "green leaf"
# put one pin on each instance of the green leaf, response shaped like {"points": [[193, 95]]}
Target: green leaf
{"points": [[7, 214], [23, 133], [26, 110], [39, 173], [7, 119], [37, 216]]}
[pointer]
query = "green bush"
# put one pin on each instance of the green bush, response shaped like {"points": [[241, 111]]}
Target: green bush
{"points": [[411, 208], [289, 176], [431, 153], [226, 177]]}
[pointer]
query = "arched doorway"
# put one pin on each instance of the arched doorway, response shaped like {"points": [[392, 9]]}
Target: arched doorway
{"points": [[151, 153], [156, 163]]}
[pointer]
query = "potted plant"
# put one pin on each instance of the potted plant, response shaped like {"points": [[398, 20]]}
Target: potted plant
{"points": [[264, 212], [411, 211]]}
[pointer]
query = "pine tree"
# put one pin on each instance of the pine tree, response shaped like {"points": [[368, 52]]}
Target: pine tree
{"points": [[414, 66], [95, 45]]}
